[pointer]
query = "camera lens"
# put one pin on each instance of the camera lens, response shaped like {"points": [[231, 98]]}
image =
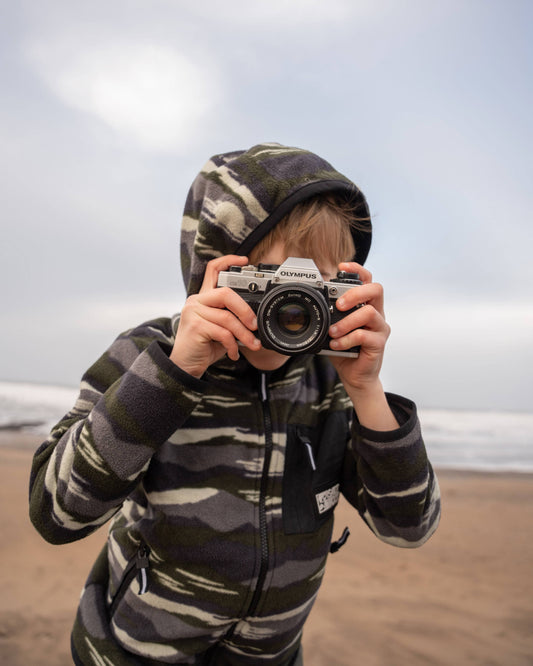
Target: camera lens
{"points": [[293, 319]]}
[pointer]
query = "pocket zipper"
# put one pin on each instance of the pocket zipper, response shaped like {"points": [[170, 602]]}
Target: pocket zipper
{"points": [[142, 565], [137, 567]]}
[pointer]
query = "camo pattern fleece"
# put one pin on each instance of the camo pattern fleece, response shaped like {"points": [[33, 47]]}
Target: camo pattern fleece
{"points": [[220, 494]]}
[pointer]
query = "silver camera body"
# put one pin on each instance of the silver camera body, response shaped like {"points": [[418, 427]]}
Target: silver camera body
{"points": [[294, 305]]}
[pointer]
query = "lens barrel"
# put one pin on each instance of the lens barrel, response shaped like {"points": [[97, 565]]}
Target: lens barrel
{"points": [[293, 319]]}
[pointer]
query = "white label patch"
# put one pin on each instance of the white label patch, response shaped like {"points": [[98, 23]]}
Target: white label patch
{"points": [[327, 499]]}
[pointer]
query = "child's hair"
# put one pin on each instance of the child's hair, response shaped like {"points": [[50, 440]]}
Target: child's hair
{"points": [[317, 228]]}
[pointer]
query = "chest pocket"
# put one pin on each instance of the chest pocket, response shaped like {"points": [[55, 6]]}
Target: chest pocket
{"points": [[312, 475]]}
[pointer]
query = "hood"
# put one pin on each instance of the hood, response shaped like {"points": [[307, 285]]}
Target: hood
{"points": [[239, 197]]}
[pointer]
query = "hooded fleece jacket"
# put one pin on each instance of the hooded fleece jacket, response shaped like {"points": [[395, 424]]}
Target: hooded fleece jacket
{"points": [[220, 491]]}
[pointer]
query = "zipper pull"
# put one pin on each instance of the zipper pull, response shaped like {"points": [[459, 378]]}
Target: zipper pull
{"points": [[310, 454], [143, 564], [306, 442], [336, 545], [263, 390]]}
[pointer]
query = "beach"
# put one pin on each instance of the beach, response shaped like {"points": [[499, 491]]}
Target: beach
{"points": [[465, 597]]}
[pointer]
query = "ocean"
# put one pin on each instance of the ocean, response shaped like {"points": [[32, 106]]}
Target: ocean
{"points": [[455, 439]]}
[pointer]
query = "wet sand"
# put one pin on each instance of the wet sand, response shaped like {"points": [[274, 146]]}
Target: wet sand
{"points": [[466, 597]]}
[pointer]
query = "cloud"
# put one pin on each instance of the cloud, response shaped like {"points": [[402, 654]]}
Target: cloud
{"points": [[462, 354], [471, 327], [283, 13], [115, 315], [151, 93]]}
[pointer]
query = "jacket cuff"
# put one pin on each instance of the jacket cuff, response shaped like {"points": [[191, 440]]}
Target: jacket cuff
{"points": [[142, 410], [393, 459], [404, 411], [162, 359]]}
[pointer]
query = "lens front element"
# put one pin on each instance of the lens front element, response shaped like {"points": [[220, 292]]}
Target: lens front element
{"points": [[293, 318]]}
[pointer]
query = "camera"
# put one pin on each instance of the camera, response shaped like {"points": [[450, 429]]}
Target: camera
{"points": [[294, 305]]}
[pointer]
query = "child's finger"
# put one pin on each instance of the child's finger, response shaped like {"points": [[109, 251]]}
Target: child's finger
{"points": [[214, 267], [371, 293], [367, 317], [227, 299], [225, 319], [353, 267]]}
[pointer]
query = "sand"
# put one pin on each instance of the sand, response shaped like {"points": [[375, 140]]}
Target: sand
{"points": [[466, 597]]}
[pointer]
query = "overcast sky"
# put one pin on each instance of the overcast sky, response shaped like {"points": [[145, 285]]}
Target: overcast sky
{"points": [[110, 108]]}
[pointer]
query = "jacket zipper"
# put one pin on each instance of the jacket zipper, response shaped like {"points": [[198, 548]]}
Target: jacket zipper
{"points": [[263, 528], [137, 567]]}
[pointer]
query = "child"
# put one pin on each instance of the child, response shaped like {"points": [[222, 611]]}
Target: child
{"points": [[220, 462]]}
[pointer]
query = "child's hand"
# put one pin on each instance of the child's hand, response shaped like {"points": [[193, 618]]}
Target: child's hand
{"points": [[213, 321], [365, 327]]}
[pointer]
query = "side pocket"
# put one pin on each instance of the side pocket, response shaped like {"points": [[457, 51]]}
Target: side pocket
{"points": [[138, 567]]}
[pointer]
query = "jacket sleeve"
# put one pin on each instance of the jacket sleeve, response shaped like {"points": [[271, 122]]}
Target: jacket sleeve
{"points": [[131, 401], [390, 481]]}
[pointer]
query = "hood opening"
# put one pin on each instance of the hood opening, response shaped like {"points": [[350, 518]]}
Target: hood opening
{"points": [[362, 239]]}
